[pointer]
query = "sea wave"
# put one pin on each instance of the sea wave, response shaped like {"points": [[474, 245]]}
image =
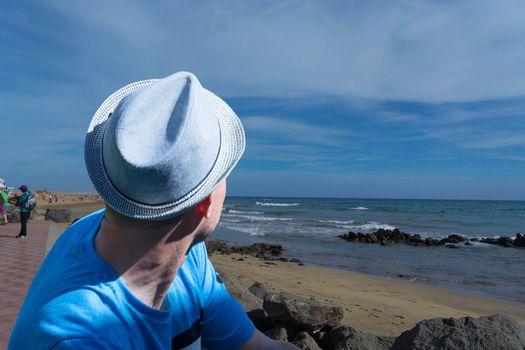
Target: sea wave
{"points": [[358, 208], [232, 211], [269, 204], [261, 218], [251, 230], [340, 222], [370, 226]]}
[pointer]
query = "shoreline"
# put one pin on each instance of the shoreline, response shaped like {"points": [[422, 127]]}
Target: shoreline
{"points": [[373, 304]]}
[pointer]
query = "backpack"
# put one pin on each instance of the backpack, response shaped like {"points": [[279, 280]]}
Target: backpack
{"points": [[30, 202]]}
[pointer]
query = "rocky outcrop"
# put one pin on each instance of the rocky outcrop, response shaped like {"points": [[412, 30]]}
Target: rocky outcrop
{"points": [[305, 341], [389, 237], [484, 333], [263, 251], [348, 338], [520, 240], [13, 214], [310, 315], [258, 289], [246, 298], [58, 215], [277, 333], [314, 325]]}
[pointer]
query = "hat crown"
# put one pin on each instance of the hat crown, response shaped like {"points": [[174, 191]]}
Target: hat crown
{"points": [[161, 141], [158, 112]]}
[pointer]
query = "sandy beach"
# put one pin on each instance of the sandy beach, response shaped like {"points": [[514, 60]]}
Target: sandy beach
{"points": [[372, 304]]}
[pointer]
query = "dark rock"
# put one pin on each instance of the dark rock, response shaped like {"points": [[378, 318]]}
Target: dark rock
{"points": [[416, 240], [58, 215], [520, 240], [258, 289], [306, 314], [348, 338], [305, 341], [213, 246], [451, 246], [489, 240], [448, 240], [277, 333], [506, 242], [260, 319], [387, 237], [350, 236], [457, 238], [240, 293], [259, 249], [484, 333], [397, 236], [431, 242], [468, 243]]}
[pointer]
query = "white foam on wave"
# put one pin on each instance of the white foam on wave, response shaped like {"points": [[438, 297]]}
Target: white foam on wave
{"points": [[340, 222], [370, 226], [232, 211], [359, 208], [262, 218], [268, 204], [251, 230]]}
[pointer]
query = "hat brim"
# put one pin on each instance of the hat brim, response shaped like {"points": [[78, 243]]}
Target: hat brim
{"points": [[231, 148]]}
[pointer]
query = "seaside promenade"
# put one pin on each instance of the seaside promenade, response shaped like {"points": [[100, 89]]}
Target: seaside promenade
{"points": [[19, 261]]}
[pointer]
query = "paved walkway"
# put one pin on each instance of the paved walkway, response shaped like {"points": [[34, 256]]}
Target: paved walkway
{"points": [[19, 261]]}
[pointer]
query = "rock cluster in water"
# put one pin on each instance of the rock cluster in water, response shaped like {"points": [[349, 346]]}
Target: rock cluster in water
{"points": [[389, 237], [315, 325]]}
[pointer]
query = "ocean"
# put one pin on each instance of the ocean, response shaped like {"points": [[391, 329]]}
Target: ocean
{"points": [[307, 228]]}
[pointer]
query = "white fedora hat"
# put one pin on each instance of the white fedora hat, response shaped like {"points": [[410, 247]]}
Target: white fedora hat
{"points": [[156, 148]]}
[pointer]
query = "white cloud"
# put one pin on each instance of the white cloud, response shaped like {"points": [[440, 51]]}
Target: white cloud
{"points": [[295, 131], [407, 49]]}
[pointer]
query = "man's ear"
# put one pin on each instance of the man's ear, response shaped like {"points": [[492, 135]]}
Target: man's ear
{"points": [[204, 207]]}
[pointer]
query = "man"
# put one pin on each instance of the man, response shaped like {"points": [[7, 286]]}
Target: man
{"points": [[136, 275], [4, 203], [25, 211]]}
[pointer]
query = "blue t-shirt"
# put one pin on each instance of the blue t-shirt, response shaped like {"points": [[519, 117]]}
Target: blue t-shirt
{"points": [[77, 301]]}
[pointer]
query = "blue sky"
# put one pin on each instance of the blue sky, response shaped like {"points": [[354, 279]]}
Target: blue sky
{"points": [[376, 99]]}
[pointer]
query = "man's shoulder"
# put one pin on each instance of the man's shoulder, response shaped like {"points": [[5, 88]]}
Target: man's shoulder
{"points": [[80, 313]]}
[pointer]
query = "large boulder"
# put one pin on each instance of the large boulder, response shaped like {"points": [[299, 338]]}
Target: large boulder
{"points": [[305, 314], [37, 215], [58, 215], [347, 338], [484, 333], [258, 289], [305, 341], [239, 292], [277, 333]]}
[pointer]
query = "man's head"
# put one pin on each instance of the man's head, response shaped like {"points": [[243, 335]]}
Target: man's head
{"points": [[157, 149], [23, 188]]}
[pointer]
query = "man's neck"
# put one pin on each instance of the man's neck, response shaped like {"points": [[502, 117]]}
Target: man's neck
{"points": [[147, 257]]}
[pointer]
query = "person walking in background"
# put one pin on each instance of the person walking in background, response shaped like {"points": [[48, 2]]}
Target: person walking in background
{"points": [[25, 210], [4, 204]]}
